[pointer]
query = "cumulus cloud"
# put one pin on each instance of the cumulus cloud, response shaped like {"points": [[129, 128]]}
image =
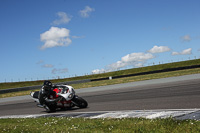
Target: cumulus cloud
{"points": [[159, 49], [97, 71], [55, 37], [117, 65], [186, 38], [85, 13], [175, 53], [47, 66], [184, 52], [63, 18], [133, 59], [57, 71]]}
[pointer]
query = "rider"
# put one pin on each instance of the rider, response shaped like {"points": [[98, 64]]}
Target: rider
{"points": [[44, 94]]}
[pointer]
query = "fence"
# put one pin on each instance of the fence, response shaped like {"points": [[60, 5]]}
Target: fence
{"points": [[75, 75]]}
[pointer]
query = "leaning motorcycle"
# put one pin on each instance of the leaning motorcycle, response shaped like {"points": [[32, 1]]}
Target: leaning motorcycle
{"points": [[65, 98]]}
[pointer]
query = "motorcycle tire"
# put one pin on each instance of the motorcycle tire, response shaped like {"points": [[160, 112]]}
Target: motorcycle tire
{"points": [[80, 102], [52, 108]]}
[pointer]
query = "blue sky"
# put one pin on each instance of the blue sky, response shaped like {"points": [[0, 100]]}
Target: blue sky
{"points": [[41, 39]]}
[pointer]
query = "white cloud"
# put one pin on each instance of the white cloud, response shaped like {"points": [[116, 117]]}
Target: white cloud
{"points": [[184, 52], [187, 51], [137, 57], [47, 66], [186, 38], [117, 65], [56, 71], [97, 71], [175, 53], [159, 49], [55, 37], [86, 12], [63, 18], [133, 59]]}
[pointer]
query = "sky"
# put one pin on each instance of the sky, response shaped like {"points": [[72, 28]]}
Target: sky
{"points": [[46, 39]]}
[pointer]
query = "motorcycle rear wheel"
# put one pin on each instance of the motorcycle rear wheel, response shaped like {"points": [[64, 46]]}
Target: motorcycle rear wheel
{"points": [[52, 108]]}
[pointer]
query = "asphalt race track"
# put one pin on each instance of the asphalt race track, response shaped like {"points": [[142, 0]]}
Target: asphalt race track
{"points": [[148, 95]]}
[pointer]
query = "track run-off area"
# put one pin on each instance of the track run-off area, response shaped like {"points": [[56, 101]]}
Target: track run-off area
{"points": [[168, 97]]}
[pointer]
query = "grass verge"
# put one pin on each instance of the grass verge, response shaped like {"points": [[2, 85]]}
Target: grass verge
{"points": [[117, 81], [104, 75], [137, 78], [14, 94], [124, 125]]}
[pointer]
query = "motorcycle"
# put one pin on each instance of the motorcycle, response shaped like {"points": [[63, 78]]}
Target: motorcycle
{"points": [[65, 98]]}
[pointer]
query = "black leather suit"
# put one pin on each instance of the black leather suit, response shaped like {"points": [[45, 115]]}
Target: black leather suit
{"points": [[44, 97]]}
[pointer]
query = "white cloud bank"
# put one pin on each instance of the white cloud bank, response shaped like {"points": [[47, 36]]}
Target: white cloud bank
{"points": [[63, 18], [159, 49], [133, 59], [85, 13], [55, 37], [184, 52], [98, 71]]}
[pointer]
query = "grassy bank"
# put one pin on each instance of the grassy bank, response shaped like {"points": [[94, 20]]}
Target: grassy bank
{"points": [[117, 81], [124, 125], [103, 75]]}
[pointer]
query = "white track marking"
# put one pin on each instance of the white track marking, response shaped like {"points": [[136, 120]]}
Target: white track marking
{"points": [[149, 114]]}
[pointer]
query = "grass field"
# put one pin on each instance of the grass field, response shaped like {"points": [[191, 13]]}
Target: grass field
{"points": [[103, 75], [117, 81], [124, 125]]}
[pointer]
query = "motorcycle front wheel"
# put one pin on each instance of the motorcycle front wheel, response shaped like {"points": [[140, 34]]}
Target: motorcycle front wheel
{"points": [[80, 102]]}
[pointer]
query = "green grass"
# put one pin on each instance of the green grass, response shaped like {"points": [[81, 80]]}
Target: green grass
{"points": [[103, 75], [14, 94], [124, 125], [117, 81], [137, 78]]}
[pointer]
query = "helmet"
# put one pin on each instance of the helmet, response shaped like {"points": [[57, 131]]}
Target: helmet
{"points": [[47, 85]]}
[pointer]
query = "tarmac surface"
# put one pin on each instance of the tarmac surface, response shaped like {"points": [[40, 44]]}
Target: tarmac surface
{"points": [[172, 94]]}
